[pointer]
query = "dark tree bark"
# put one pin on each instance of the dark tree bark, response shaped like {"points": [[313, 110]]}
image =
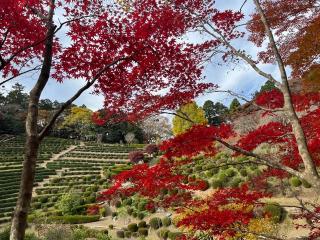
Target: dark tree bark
{"points": [[19, 221]]}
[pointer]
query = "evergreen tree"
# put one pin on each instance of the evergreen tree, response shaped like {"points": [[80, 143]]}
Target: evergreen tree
{"points": [[235, 104], [214, 112]]}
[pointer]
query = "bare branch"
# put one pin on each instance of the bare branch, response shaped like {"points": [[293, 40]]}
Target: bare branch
{"points": [[50, 124], [21, 73], [219, 36]]}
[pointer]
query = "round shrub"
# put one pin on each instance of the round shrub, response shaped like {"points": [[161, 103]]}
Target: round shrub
{"points": [[143, 232], [127, 202], [142, 224], [142, 206], [230, 172], [275, 211], [120, 234], [217, 183], [209, 174], [235, 182], [141, 215], [133, 227], [163, 233], [174, 235], [136, 157], [152, 149], [130, 211], [306, 184], [111, 226], [155, 223], [127, 234], [223, 177], [244, 172], [114, 214], [166, 221], [295, 182]]}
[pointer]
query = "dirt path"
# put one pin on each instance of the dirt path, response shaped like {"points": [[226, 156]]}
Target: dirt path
{"points": [[52, 159]]}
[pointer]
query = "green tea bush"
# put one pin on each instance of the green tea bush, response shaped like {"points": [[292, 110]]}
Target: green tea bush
{"points": [[216, 183], [174, 235], [133, 227], [163, 233], [166, 221], [143, 232], [69, 203], [295, 182], [142, 224], [276, 212], [120, 234], [155, 223]]}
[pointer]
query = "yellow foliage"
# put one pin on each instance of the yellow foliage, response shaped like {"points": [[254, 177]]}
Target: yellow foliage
{"points": [[188, 111], [78, 116]]}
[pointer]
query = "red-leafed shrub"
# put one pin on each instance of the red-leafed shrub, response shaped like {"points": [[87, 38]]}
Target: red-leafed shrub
{"points": [[152, 149], [136, 156]]}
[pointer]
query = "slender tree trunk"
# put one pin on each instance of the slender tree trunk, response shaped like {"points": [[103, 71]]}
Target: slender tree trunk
{"points": [[19, 221], [310, 171]]}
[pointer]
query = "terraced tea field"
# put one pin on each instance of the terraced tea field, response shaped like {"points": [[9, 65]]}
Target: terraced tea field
{"points": [[63, 166]]}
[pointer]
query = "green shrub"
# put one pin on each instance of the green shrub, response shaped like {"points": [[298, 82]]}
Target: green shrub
{"points": [[74, 219], [174, 235], [295, 182], [114, 214], [133, 227], [244, 172], [57, 234], [43, 199], [5, 234], [130, 211], [217, 183], [143, 232], [306, 184], [127, 202], [103, 212], [166, 221], [135, 234], [141, 215], [69, 203], [276, 212], [111, 226], [163, 233], [230, 172], [120, 234], [235, 182], [155, 223], [142, 206], [223, 177], [142, 224], [127, 234], [30, 236], [118, 204]]}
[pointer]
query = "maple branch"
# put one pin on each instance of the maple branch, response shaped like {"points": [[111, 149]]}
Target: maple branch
{"points": [[309, 164], [247, 100], [261, 159], [4, 38], [239, 53], [243, 4], [21, 73], [50, 124], [187, 118]]}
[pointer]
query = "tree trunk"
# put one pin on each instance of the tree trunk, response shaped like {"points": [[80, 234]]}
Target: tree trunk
{"points": [[310, 172], [19, 222]]}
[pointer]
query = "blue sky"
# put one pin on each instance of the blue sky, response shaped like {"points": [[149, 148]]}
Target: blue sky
{"points": [[239, 78]]}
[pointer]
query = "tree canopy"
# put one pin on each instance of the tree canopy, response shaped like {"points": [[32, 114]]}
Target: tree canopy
{"points": [[187, 116]]}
